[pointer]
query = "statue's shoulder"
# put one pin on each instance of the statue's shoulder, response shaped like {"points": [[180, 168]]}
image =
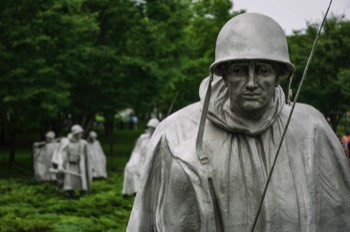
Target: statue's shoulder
{"points": [[83, 142], [180, 126], [52, 144], [306, 115], [175, 136], [308, 111], [64, 141], [188, 115], [144, 136]]}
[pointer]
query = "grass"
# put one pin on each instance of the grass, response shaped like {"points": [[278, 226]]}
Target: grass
{"points": [[29, 206]]}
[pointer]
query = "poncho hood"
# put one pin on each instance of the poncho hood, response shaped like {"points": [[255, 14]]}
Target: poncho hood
{"points": [[220, 113]]}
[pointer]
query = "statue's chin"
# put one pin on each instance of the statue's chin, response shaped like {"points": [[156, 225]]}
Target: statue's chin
{"points": [[250, 109]]}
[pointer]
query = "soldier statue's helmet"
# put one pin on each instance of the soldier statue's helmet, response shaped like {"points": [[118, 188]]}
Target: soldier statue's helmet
{"points": [[76, 129], [153, 123], [92, 134], [252, 36], [50, 135]]}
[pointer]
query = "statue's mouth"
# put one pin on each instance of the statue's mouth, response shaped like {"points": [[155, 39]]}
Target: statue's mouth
{"points": [[251, 96]]}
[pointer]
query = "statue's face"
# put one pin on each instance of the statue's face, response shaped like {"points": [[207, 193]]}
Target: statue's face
{"points": [[251, 85], [78, 136]]}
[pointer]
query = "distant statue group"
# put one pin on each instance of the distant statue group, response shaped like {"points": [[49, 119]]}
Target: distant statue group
{"points": [[70, 161]]}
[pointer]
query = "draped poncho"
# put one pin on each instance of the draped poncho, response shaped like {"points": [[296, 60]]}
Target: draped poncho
{"points": [[309, 189], [42, 161], [134, 166], [98, 159], [74, 156]]}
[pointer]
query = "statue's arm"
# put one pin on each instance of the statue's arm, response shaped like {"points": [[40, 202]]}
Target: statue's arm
{"points": [[332, 173], [62, 154], [143, 215]]}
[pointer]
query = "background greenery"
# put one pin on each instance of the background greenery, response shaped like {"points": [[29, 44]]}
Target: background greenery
{"points": [[71, 59]]}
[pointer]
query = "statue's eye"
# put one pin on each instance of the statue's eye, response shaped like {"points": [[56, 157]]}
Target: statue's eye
{"points": [[237, 70], [263, 70]]}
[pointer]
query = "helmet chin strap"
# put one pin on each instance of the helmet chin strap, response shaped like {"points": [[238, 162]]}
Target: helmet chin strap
{"points": [[203, 158], [289, 93]]}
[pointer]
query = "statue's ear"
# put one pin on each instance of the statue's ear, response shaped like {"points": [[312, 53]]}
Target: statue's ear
{"points": [[277, 81], [223, 73]]}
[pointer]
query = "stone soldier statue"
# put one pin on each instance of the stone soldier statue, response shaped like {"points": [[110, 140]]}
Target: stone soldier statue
{"points": [[74, 162], [151, 127], [212, 178], [97, 156], [43, 152], [135, 165]]}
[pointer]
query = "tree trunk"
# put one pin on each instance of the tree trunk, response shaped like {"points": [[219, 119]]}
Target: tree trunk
{"points": [[111, 142], [2, 134], [87, 124], [334, 120], [13, 138], [105, 127], [109, 127]]}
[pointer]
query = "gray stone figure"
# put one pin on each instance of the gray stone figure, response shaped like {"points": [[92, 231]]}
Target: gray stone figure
{"points": [[55, 160], [98, 157], [74, 162], [151, 127], [135, 165], [212, 178], [43, 152]]}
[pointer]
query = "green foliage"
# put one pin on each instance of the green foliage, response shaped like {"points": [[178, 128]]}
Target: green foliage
{"points": [[37, 41], [199, 37], [80, 57], [327, 84], [30, 206]]}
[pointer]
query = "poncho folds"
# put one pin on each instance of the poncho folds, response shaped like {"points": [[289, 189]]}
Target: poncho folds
{"points": [[309, 189], [135, 165], [98, 159], [42, 161]]}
